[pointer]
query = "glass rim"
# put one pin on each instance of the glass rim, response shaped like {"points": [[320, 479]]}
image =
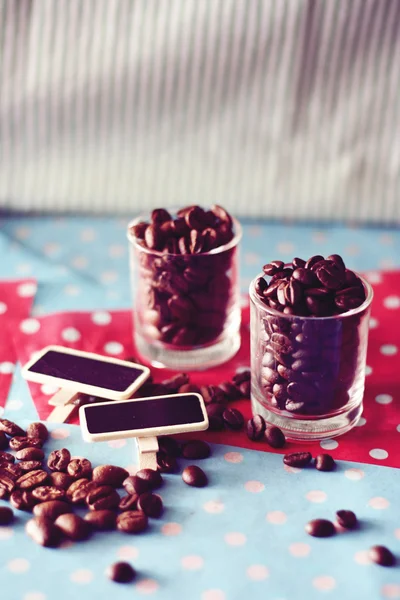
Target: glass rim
{"points": [[143, 217], [276, 313]]}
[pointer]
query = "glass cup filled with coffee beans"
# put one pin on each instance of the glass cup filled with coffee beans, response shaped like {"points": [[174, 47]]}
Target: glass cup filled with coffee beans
{"points": [[185, 285], [309, 335]]}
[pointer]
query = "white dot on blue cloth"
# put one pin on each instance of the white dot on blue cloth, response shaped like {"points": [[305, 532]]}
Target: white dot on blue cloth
{"points": [[34, 596]]}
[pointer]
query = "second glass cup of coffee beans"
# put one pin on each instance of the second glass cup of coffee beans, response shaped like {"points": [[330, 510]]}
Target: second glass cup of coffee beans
{"points": [[309, 335], [185, 284]]}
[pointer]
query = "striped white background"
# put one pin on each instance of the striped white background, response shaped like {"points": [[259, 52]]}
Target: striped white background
{"points": [[273, 108]]}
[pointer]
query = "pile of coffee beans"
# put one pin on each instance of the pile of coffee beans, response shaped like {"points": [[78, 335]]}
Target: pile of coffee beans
{"points": [[185, 294], [309, 365], [51, 489], [346, 519]]}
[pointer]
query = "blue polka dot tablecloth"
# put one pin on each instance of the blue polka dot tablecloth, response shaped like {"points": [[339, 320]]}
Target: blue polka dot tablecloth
{"points": [[243, 535]]}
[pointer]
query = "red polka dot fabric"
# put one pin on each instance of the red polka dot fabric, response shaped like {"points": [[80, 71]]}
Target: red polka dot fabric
{"points": [[376, 439], [16, 299]]}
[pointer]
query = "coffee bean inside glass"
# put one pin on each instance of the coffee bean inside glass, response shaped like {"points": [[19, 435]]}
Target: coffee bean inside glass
{"points": [[185, 286], [309, 335]]}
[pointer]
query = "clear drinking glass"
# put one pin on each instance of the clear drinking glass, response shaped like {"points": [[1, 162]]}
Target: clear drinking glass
{"points": [[186, 307], [308, 373]]}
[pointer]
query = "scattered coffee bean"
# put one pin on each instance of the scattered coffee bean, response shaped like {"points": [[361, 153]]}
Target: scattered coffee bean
{"points": [[166, 463], [129, 502], [44, 493], [43, 531], [151, 504], [7, 483], [346, 519], [121, 572], [30, 454], [37, 430], [194, 476], [11, 429], [196, 449], [297, 459], [101, 520], [102, 497], [230, 390], [255, 428], [6, 457], [135, 485], [151, 477], [3, 441], [215, 420], [109, 475], [19, 442], [23, 500], [11, 470], [51, 509], [213, 394], [320, 528], [233, 419], [32, 479], [79, 489], [30, 465], [6, 515], [189, 388], [381, 556], [61, 480], [169, 446], [80, 467], [324, 462], [59, 460], [132, 521], [274, 436], [73, 527]]}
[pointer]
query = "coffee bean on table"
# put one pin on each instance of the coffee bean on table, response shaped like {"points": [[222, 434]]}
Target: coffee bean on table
{"points": [[151, 504], [32, 479], [132, 521], [213, 394], [30, 465], [233, 419], [11, 429], [38, 430], [320, 528], [230, 390], [101, 520], [297, 459], [129, 502], [381, 556], [59, 460], [45, 493], [30, 454], [215, 420], [194, 476], [6, 483], [11, 470], [23, 500], [169, 445], [255, 428], [151, 477], [3, 441], [20, 442], [274, 436], [121, 572], [61, 480], [109, 475], [6, 515], [166, 463], [7, 457], [51, 509], [73, 526], [43, 531], [346, 519], [79, 489], [195, 449], [324, 462], [189, 388], [102, 497], [135, 485], [80, 467]]}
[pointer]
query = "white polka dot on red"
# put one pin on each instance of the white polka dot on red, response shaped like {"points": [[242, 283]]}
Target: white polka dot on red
{"points": [[329, 444], [29, 326], [3, 308], [113, 348], [392, 302], [378, 453], [383, 398]]}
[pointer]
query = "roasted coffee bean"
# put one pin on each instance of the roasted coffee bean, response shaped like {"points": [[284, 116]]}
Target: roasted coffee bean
{"points": [[6, 515], [151, 477], [101, 520], [79, 489], [213, 394], [102, 497], [230, 390], [7, 483], [61, 480], [297, 459], [215, 420], [132, 521], [44, 493], [346, 519], [273, 267], [4, 493], [166, 463], [121, 572], [32, 479], [298, 262], [169, 446], [195, 449], [194, 476], [11, 470], [3, 441], [23, 500], [19, 442], [320, 528], [338, 260], [43, 531], [233, 419], [241, 376], [151, 504], [51, 509], [255, 428], [59, 459], [274, 436], [73, 527], [135, 485], [173, 384], [6, 457], [331, 275], [159, 216], [79, 468], [313, 261], [11, 429], [110, 475], [129, 502], [138, 230], [37, 430], [381, 556], [189, 388], [324, 462], [30, 454]]}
